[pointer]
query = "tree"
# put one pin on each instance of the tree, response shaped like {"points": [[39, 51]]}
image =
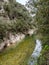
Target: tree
{"points": [[42, 24], [42, 20], [42, 17], [15, 19]]}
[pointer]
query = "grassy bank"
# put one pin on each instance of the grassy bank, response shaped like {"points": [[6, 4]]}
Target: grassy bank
{"points": [[18, 55]]}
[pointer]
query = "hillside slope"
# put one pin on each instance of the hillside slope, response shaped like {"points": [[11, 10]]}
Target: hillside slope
{"points": [[18, 55], [14, 18]]}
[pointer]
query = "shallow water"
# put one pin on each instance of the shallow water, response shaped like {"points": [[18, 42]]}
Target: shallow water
{"points": [[36, 53]]}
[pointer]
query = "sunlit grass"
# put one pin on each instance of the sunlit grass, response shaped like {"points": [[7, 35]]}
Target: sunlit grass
{"points": [[18, 55]]}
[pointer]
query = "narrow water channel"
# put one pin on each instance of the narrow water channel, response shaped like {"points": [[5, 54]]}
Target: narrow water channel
{"points": [[36, 53]]}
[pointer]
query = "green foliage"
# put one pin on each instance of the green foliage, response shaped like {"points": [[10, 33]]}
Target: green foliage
{"points": [[42, 60], [15, 19], [42, 24], [42, 18], [42, 21]]}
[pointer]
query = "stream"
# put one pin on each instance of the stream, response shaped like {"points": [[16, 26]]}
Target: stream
{"points": [[36, 53]]}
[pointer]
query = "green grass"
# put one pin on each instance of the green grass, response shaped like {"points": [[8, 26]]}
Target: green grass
{"points": [[19, 54]]}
